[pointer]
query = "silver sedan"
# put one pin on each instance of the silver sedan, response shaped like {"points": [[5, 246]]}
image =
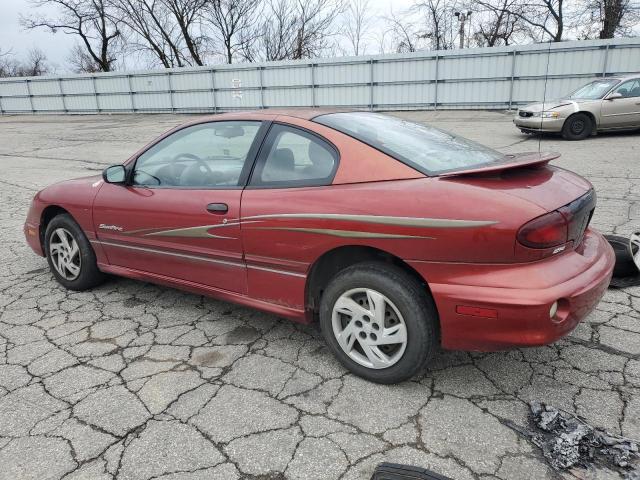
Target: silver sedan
{"points": [[611, 103]]}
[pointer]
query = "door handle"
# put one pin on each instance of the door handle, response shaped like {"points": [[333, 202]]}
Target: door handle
{"points": [[217, 208]]}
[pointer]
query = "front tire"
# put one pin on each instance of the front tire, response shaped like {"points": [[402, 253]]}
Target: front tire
{"points": [[379, 321], [577, 127], [70, 255]]}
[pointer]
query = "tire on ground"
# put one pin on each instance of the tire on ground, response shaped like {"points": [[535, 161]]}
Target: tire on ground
{"points": [[577, 127], [412, 300], [90, 276]]}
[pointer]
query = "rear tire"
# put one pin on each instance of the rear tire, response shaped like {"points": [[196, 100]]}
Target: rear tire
{"points": [[403, 314], [70, 255], [577, 127]]}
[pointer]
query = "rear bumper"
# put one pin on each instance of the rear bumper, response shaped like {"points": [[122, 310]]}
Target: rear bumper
{"points": [[537, 124], [521, 295]]}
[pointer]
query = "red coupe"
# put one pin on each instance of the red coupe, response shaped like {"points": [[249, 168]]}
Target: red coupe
{"points": [[397, 237]]}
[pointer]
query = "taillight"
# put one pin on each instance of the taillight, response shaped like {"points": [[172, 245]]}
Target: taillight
{"points": [[547, 231]]}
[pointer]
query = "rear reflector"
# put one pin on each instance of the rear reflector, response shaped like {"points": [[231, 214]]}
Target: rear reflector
{"points": [[476, 311]]}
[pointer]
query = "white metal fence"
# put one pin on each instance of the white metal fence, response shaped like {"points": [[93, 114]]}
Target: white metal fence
{"points": [[487, 78]]}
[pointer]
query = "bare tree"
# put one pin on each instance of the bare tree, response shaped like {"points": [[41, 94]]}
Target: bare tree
{"points": [[545, 18], [34, 65], [187, 14], [233, 23], [497, 24], [403, 33], [88, 19], [607, 18], [358, 22], [296, 29], [439, 21]]}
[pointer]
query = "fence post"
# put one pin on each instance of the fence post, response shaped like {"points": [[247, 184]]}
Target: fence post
{"points": [[371, 84], [133, 105], [313, 85], [213, 91], [1, 110], [30, 96], [95, 93], [64, 103], [170, 92], [606, 60], [260, 73], [513, 73], [435, 88]]}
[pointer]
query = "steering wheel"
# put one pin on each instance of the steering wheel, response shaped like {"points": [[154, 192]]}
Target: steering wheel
{"points": [[213, 177]]}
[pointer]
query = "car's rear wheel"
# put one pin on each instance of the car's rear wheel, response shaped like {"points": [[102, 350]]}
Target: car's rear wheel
{"points": [[70, 255], [577, 127], [379, 321]]}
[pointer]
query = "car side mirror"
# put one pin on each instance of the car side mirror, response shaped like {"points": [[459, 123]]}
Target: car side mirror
{"points": [[615, 95], [114, 174]]}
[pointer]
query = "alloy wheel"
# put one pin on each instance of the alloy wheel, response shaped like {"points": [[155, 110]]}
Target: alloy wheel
{"points": [[65, 254], [369, 328]]}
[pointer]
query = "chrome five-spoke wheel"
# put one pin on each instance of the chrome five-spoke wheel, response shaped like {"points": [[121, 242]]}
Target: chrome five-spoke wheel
{"points": [[369, 328], [65, 254]]}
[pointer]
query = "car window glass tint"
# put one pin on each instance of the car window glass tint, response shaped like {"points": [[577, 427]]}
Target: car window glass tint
{"points": [[296, 157], [427, 149], [593, 90], [208, 155], [629, 89]]}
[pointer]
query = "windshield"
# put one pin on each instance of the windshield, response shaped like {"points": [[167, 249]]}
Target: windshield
{"points": [[594, 90], [427, 149]]}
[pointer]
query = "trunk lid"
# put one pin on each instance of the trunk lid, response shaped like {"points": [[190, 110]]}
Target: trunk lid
{"points": [[528, 177]]}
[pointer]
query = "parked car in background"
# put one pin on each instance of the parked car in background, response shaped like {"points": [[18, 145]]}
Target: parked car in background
{"points": [[611, 103], [397, 237]]}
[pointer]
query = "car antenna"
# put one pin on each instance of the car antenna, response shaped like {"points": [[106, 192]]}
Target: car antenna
{"points": [[544, 96]]}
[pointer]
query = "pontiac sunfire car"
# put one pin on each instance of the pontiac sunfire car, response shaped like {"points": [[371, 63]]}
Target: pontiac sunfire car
{"points": [[397, 237], [604, 104]]}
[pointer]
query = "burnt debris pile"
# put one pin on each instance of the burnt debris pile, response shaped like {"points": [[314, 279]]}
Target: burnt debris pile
{"points": [[566, 441]]}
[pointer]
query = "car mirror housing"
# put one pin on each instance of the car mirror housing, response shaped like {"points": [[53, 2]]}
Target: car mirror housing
{"points": [[615, 95], [114, 174]]}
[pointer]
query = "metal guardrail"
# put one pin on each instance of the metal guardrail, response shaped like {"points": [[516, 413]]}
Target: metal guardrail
{"points": [[498, 78]]}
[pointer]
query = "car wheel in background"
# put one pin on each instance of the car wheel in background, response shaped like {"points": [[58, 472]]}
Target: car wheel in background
{"points": [[577, 127], [379, 321], [627, 252], [70, 255]]}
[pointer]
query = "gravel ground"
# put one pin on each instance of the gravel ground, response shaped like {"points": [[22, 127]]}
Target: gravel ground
{"points": [[136, 381]]}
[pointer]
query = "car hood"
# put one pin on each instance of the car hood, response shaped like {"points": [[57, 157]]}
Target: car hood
{"points": [[572, 105], [77, 191]]}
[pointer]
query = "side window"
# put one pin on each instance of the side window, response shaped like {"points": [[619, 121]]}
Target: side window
{"points": [[629, 89], [209, 155], [292, 157]]}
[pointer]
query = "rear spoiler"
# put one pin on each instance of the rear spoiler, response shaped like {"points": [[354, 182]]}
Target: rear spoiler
{"points": [[511, 161]]}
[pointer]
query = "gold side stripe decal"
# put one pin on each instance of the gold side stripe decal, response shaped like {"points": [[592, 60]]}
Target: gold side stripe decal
{"points": [[342, 233], [382, 220]]}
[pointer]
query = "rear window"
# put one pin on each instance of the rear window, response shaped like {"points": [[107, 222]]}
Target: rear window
{"points": [[427, 149]]}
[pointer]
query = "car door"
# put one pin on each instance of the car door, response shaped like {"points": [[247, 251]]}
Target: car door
{"points": [[293, 173], [177, 216], [622, 111]]}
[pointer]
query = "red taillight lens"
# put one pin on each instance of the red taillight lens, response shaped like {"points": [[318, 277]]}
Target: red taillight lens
{"points": [[546, 231]]}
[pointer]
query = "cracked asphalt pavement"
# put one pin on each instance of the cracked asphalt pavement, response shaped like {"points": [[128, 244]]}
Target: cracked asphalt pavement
{"points": [[136, 381]]}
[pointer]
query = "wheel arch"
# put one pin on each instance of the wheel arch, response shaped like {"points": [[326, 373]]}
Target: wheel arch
{"points": [[48, 214], [333, 261], [592, 117]]}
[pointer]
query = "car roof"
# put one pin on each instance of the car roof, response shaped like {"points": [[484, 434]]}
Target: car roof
{"points": [[303, 113]]}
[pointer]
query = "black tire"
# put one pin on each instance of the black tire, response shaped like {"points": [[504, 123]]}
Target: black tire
{"points": [[89, 276], [577, 127], [410, 298], [624, 266]]}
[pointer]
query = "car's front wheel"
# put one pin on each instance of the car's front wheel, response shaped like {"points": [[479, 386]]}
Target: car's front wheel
{"points": [[577, 127], [70, 255], [379, 321]]}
